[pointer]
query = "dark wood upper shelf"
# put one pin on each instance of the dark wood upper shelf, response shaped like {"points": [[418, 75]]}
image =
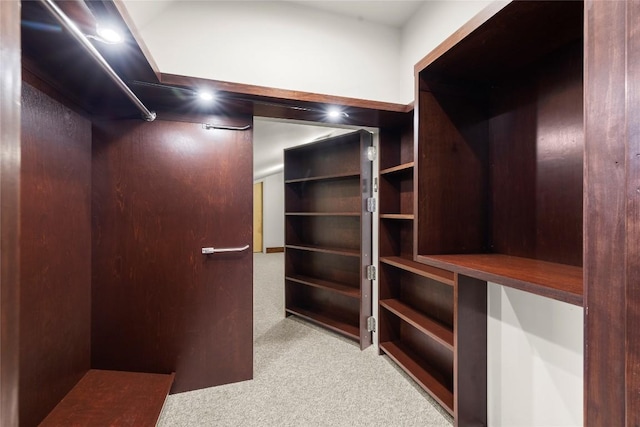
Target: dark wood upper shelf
{"points": [[442, 276], [405, 167], [324, 177], [423, 323], [326, 250], [325, 284], [551, 280]]}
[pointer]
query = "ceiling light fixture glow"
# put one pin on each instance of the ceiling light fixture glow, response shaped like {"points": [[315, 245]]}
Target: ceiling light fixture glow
{"points": [[109, 35], [335, 114], [205, 96]]}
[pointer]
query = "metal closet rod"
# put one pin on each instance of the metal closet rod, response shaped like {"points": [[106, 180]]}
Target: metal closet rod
{"points": [[86, 44]]}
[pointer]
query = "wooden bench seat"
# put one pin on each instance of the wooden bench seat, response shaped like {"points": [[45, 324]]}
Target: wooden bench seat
{"points": [[112, 398]]}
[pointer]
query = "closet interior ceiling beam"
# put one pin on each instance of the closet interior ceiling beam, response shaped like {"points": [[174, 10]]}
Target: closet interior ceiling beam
{"points": [[77, 34]]}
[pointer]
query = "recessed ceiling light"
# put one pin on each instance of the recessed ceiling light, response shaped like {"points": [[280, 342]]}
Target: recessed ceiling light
{"points": [[109, 35], [336, 113], [205, 96]]}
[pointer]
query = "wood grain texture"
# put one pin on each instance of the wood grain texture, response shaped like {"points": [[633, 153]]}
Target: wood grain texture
{"points": [[432, 298], [112, 398], [558, 281], [161, 192], [314, 231], [536, 161], [10, 84], [451, 174], [337, 311], [434, 357], [55, 307], [334, 268], [470, 342], [316, 160], [430, 380], [336, 195], [605, 210], [396, 238], [633, 215]]}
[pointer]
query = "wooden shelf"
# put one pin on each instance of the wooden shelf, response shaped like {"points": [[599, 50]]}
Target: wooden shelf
{"points": [[346, 175], [397, 216], [335, 251], [405, 167], [343, 328], [418, 370], [326, 285], [557, 281], [327, 235], [354, 214], [442, 276], [420, 321], [112, 398]]}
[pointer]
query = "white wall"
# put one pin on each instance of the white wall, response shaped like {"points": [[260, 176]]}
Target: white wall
{"points": [[273, 210], [535, 360], [434, 22], [276, 44]]}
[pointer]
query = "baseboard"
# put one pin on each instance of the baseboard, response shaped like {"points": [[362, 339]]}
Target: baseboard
{"points": [[274, 250]]}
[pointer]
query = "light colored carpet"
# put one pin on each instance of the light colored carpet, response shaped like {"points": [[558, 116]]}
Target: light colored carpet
{"points": [[305, 376]]}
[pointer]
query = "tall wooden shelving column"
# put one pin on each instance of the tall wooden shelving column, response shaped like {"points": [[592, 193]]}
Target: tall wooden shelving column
{"points": [[328, 234], [498, 175], [425, 311]]}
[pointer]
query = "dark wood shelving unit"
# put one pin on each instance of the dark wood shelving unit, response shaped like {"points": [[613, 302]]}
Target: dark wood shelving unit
{"points": [[329, 321], [416, 306], [499, 172], [432, 321], [405, 167], [328, 234], [421, 373], [326, 250], [325, 284], [330, 177], [418, 320], [442, 276]]}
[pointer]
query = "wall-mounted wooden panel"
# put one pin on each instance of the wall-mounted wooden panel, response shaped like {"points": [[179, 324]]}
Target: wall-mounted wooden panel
{"points": [[612, 158], [161, 192], [55, 243], [9, 209]]}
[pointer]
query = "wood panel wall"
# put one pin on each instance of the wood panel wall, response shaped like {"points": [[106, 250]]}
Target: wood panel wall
{"points": [[612, 214], [161, 192], [55, 243], [9, 209]]}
